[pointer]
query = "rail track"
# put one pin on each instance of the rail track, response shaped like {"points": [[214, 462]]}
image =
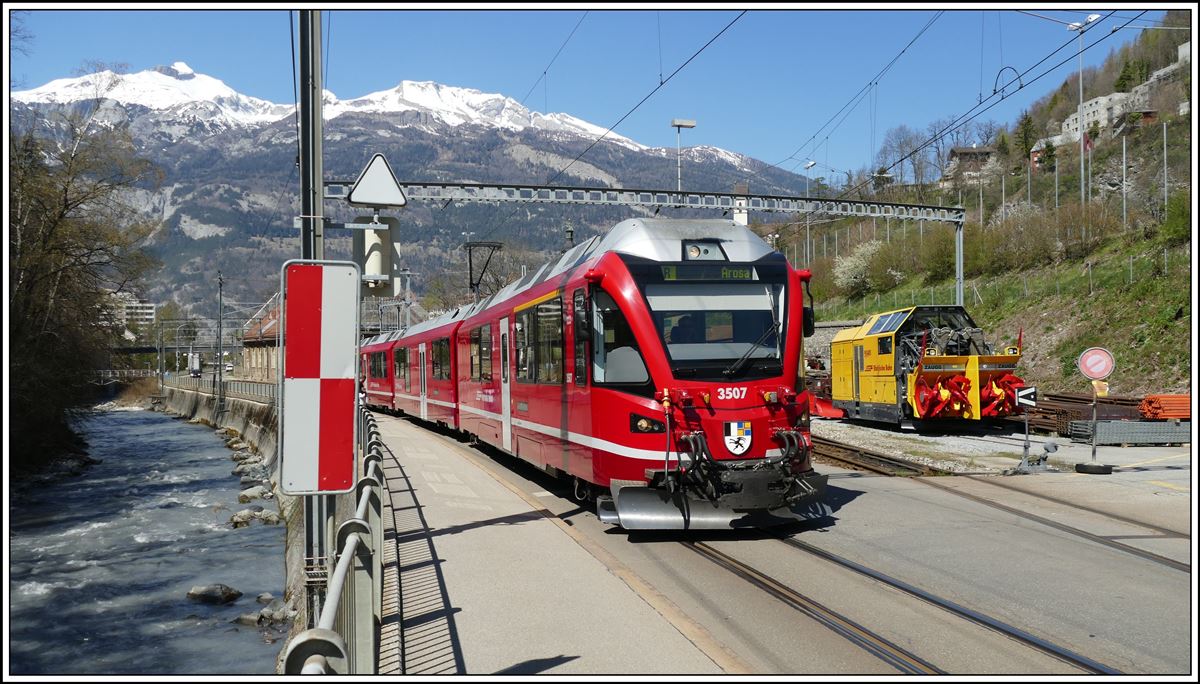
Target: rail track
{"points": [[871, 460], [903, 660], [1059, 652]]}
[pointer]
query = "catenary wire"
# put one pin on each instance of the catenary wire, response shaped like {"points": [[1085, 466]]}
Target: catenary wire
{"points": [[853, 99], [1021, 85], [626, 115], [556, 54]]}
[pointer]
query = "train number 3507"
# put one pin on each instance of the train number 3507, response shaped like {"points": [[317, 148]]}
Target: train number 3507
{"points": [[731, 392]]}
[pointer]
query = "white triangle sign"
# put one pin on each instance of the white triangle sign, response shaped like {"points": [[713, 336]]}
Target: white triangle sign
{"points": [[377, 186]]}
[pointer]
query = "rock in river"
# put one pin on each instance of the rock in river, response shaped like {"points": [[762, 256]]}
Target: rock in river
{"points": [[214, 593]]}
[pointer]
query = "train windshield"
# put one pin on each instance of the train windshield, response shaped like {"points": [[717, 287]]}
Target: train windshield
{"points": [[720, 330]]}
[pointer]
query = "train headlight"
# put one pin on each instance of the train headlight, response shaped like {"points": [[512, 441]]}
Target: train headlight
{"points": [[770, 397], [701, 250], [643, 424]]}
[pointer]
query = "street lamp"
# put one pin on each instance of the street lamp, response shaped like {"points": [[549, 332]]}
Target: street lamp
{"points": [[177, 330], [1081, 27], [470, 266], [678, 124]]}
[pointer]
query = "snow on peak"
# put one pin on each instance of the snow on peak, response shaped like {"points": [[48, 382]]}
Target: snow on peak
{"points": [[181, 90], [160, 88], [457, 106]]}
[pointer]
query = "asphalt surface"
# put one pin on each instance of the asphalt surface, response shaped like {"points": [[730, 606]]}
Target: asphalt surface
{"points": [[510, 576]]}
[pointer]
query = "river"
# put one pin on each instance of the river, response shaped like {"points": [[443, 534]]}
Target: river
{"points": [[100, 564]]}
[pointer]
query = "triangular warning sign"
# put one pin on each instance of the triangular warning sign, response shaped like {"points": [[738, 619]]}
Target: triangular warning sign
{"points": [[377, 186]]}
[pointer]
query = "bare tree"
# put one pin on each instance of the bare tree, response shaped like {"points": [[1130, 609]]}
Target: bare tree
{"points": [[985, 132], [73, 237]]}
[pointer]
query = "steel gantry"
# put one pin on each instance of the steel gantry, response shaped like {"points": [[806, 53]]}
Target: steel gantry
{"points": [[669, 199]]}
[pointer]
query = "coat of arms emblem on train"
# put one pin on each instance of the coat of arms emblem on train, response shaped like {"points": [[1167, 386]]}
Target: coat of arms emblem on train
{"points": [[737, 437]]}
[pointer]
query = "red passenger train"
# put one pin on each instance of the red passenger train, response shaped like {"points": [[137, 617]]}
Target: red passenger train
{"points": [[658, 366]]}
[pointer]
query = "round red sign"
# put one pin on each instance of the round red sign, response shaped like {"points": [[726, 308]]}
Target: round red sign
{"points": [[1096, 363]]}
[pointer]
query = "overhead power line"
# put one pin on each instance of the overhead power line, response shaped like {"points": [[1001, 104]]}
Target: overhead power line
{"points": [[625, 116], [1000, 94], [854, 99], [556, 54]]}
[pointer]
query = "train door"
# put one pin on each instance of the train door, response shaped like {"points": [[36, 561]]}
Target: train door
{"points": [[858, 369], [424, 393], [505, 396]]}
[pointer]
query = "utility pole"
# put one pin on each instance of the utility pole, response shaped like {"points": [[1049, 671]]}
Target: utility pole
{"points": [[312, 188], [1124, 216], [470, 266], [220, 345], [407, 296], [160, 356], [1164, 170]]}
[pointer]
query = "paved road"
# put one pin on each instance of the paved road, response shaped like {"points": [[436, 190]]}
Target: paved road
{"points": [[521, 592]]}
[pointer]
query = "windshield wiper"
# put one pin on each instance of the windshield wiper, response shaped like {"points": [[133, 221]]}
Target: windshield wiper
{"points": [[737, 365]]}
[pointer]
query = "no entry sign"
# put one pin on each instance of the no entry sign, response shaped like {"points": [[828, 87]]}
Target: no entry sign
{"points": [[317, 425], [1096, 363]]}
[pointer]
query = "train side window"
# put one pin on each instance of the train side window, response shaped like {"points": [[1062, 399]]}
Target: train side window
{"points": [[523, 345], [445, 358], [485, 352], [401, 361], [475, 365], [615, 354], [885, 345], [580, 317], [549, 344], [504, 357], [441, 359]]}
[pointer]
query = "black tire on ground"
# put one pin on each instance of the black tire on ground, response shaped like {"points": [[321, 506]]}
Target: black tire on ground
{"points": [[1093, 468]]}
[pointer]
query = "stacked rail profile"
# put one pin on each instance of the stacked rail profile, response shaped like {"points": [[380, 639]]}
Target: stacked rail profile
{"points": [[1166, 406]]}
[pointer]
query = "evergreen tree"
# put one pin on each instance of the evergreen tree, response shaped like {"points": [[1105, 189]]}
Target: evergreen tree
{"points": [[1002, 147], [1026, 133], [1049, 156]]}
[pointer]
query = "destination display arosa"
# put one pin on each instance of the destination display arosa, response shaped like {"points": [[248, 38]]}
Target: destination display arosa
{"points": [[707, 272]]}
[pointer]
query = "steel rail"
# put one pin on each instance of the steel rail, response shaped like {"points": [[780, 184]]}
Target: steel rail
{"points": [[903, 660], [871, 460], [1021, 635]]}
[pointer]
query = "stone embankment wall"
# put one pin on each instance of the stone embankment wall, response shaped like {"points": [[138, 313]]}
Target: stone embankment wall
{"points": [[257, 424]]}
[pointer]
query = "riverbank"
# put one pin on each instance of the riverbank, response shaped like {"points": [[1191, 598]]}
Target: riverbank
{"points": [[101, 564]]}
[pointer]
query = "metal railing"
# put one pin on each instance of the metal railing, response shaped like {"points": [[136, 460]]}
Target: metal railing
{"points": [[265, 392], [346, 637], [105, 377]]}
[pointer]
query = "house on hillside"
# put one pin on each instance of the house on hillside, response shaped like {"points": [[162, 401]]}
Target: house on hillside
{"points": [[1039, 149], [1108, 111], [966, 164]]}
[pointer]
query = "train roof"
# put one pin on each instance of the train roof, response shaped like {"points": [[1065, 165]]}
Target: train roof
{"points": [[656, 239]]}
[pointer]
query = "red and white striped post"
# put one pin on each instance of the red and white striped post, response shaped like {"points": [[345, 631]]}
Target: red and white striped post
{"points": [[318, 423]]}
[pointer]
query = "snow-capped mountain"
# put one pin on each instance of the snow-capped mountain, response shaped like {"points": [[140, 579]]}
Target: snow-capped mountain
{"points": [[230, 187], [180, 91], [165, 88]]}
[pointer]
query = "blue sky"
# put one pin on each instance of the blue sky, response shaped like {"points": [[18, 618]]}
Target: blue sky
{"points": [[763, 88]]}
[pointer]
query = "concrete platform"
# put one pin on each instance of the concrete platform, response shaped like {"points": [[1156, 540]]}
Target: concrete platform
{"points": [[480, 581]]}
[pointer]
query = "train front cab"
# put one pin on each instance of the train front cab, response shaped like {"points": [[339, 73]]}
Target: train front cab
{"points": [[922, 363], [696, 367]]}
